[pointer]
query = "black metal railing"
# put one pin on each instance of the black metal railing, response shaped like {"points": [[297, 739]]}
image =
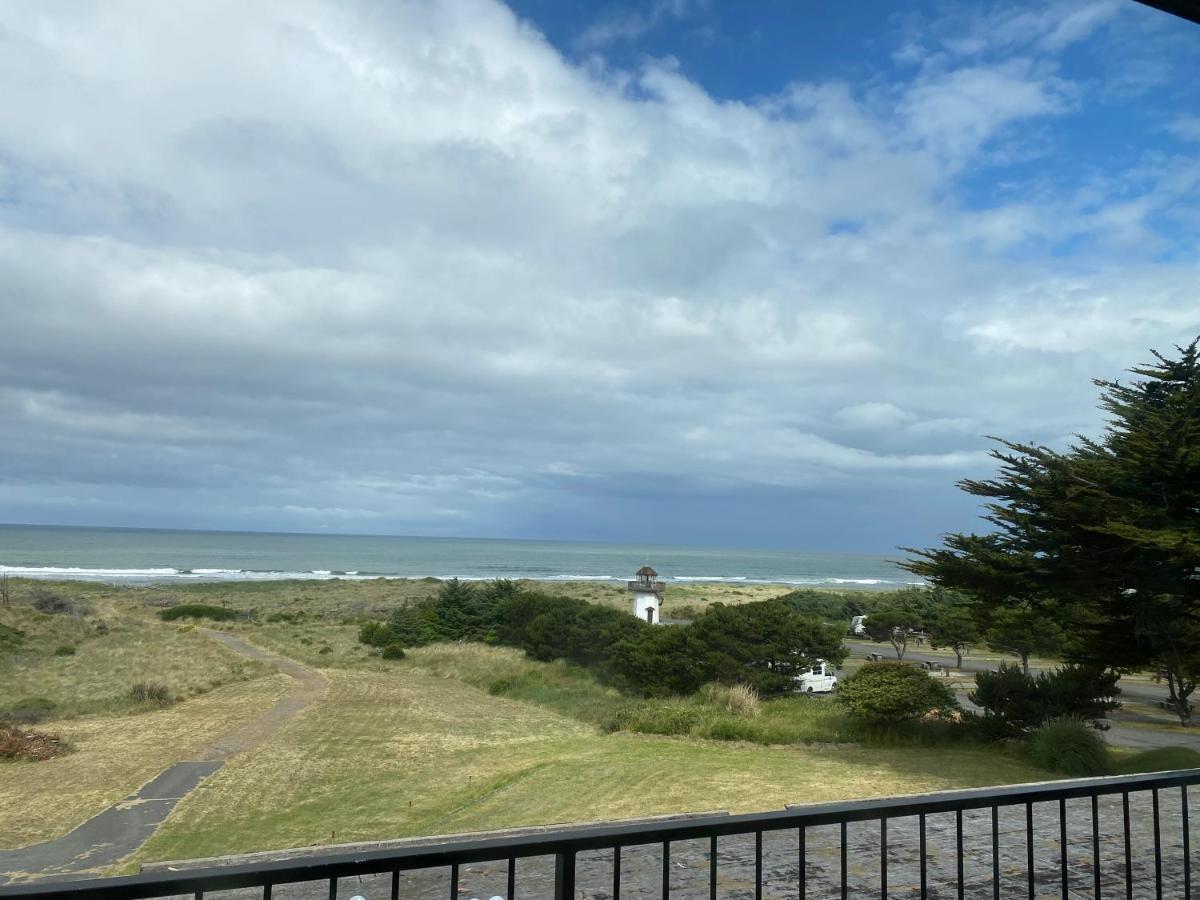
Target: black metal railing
{"points": [[1112, 811]]}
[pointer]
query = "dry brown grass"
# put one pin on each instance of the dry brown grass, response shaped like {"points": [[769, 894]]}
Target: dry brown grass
{"points": [[117, 754], [107, 661], [29, 745]]}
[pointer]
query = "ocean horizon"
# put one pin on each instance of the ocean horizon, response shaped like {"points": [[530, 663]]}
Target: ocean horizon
{"points": [[152, 556]]}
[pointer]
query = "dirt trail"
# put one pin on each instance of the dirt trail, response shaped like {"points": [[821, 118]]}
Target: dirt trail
{"points": [[121, 829]]}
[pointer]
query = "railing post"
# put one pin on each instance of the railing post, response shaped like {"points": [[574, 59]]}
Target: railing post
{"points": [[564, 875]]}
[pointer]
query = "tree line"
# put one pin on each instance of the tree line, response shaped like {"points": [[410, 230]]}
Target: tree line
{"points": [[764, 644]]}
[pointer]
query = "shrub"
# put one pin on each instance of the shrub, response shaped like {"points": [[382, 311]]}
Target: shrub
{"points": [[150, 692], [65, 650], [1009, 699], [376, 634], [30, 746], [52, 603], [289, 618], [325, 648], [28, 711], [1069, 746], [1081, 692], [738, 699], [1015, 703], [198, 611], [393, 651], [890, 692], [10, 638], [412, 625]]}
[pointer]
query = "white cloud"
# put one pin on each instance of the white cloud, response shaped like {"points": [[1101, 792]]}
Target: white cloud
{"points": [[406, 266], [627, 24], [1185, 127]]}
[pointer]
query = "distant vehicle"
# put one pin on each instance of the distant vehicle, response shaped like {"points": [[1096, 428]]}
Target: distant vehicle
{"points": [[817, 680], [857, 627]]}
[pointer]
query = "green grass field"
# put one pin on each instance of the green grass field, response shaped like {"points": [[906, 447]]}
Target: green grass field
{"points": [[430, 744], [414, 752]]}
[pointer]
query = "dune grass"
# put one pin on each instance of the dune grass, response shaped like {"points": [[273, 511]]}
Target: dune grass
{"points": [[111, 650], [114, 755]]}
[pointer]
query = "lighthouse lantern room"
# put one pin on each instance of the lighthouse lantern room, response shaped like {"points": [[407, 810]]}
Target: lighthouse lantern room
{"points": [[647, 595]]}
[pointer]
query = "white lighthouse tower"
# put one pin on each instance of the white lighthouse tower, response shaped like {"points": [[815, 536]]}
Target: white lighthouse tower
{"points": [[647, 595]]}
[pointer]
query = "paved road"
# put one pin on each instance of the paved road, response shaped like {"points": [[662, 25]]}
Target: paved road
{"points": [[121, 829]]}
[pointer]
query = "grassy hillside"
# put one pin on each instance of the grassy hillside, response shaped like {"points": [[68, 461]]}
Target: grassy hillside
{"points": [[419, 751], [455, 737]]}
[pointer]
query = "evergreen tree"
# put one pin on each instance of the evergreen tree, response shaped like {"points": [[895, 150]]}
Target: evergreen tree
{"points": [[1104, 538], [1022, 630], [954, 624]]}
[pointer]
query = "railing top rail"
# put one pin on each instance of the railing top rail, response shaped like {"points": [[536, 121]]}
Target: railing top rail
{"points": [[587, 837]]}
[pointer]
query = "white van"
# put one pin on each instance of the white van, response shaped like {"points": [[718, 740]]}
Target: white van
{"points": [[817, 680]]}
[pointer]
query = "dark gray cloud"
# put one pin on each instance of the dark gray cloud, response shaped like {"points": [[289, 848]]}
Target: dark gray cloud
{"points": [[402, 268]]}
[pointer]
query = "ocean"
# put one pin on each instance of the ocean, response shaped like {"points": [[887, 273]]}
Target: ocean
{"points": [[149, 556]]}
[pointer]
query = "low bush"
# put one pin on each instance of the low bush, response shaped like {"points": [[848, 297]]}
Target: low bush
{"points": [[52, 603], [1015, 704], [65, 650], [891, 692], [150, 692], [27, 745], [10, 638], [1069, 746], [198, 611], [27, 711], [393, 651], [376, 634], [289, 618]]}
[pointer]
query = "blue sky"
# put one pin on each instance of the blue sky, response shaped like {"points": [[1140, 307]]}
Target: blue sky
{"points": [[754, 274]]}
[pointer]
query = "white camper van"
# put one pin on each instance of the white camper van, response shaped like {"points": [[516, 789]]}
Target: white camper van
{"points": [[857, 627], [817, 680]]}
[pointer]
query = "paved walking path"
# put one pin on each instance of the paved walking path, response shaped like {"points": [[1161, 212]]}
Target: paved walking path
{"points": [[121, 829]]}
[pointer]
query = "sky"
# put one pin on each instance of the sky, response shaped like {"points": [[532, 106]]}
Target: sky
{"points": [[672, 271]]}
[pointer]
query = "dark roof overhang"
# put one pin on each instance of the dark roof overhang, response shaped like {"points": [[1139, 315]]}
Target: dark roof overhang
{"points": [[1185, 9]]}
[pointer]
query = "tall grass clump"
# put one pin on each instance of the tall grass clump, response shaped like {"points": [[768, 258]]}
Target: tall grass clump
{"points": [[155, 692], [736, 699], [1069, 746]]}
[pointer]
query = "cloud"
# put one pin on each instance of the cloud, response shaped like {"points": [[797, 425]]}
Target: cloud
{"points": [[1185, 127], [407, 268], [627, 24]]}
